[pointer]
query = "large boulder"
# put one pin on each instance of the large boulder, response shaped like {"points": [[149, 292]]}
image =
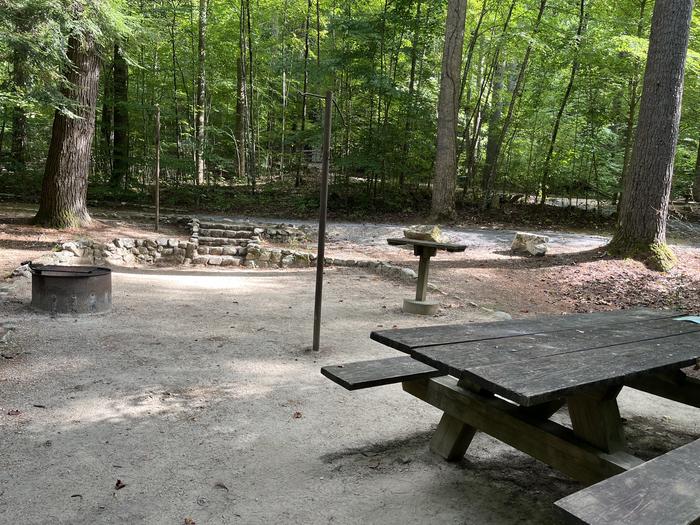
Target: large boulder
{"points": [[529, 243], [424, 232]]}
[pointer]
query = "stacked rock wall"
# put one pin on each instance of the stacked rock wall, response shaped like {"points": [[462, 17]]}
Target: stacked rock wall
{"points": [[224, 244]]}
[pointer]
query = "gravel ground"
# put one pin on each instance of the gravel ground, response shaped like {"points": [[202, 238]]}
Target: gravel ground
{"points": [[198, 394]]}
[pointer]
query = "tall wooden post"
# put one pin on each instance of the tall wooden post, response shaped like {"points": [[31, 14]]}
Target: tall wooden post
{"points": [[157, 196], [321, 254]]}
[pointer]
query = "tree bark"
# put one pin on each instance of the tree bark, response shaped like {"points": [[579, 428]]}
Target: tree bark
{"points": [[517, 91], [445, 177], [633, 100], [304, 104], [641, 230], [201, 91], [64, 189], [492, 143], [120, 165], [20, 81], [565, 100], [410, 113], [696, 181], [241, 113]]}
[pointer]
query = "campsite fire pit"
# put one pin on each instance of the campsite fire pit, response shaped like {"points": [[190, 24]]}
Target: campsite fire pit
{"points": [[71, 289]]}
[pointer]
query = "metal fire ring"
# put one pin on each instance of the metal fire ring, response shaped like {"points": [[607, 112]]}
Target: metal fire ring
{"points": [[71, 289]]}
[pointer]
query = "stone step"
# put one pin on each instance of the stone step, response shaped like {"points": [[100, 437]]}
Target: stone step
{"points": [[229, 234], [225, 241], [236, 226]]}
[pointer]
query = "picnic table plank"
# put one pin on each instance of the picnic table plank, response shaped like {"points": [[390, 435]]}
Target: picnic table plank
{"points": [[663, 490], [367, 374], [456, 358], [445, 246], [408, 339], [529, 382]]}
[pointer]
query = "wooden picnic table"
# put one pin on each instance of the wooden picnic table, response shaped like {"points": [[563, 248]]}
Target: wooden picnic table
{"points": [[508, 378], [425, 250]]}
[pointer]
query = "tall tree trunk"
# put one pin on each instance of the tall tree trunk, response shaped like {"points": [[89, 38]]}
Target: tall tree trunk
{"points": [[565, 100], [517, 91], [106, 121], [20, 81], [632, 100], [641, 231], [176, 116], [445, 177], [64, 189], [302, 149], [201, 91], [410, 114], [696, 181], [120, 166], [241, 113], [2, 132], [492, 143]]}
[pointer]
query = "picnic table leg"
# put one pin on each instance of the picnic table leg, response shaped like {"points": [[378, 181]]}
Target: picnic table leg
{"points": [[452, 438], [595, 417]]}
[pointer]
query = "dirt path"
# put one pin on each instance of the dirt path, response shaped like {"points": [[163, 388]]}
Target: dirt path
{"points": [[197, 394]]}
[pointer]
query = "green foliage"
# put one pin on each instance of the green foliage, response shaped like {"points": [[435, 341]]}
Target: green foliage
{"points": [[367, 51]]}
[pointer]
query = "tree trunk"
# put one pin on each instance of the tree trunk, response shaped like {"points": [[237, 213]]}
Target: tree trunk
{"points": [[201, 91], [20, 80], [641, 230], [492, 143], [633, 100], [176, 116], [64, 189], [410, 114], [565, 100], [696, 182], [106, 121], [120, 166], [302, 149], [240, 113], [445, 177]]}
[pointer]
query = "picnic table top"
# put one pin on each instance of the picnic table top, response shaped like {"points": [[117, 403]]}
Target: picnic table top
{"points": [[532, 361], [449, 247]]}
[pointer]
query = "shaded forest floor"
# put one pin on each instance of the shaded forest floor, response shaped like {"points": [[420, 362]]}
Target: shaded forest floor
{"points": [[576, 276]]}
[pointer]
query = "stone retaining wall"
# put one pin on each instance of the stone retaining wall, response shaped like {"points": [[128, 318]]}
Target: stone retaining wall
{"points": [[241, 247]]}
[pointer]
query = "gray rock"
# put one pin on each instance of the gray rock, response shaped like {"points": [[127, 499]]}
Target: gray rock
{"points": [[529, 243], [73, 248], [287, 260], [173, 243], [162, 242], [424, 232], [199, 259], [124, 243], [215, 250], [214, 260]]}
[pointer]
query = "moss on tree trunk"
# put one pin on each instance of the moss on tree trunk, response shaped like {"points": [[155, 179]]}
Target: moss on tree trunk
{"points": [[656, 255], [641, 230]]}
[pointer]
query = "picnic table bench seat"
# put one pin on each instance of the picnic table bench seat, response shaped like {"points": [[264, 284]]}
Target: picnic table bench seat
{"points": [[379, 372], [665, 490]]}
